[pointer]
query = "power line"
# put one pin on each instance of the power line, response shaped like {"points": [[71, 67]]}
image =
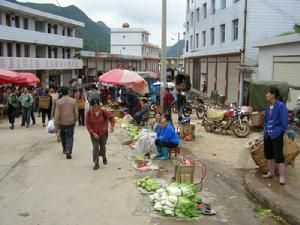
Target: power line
{"points": [[279, 10]]}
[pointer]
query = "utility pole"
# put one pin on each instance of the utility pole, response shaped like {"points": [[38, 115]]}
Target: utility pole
{"points": [[163, 67], [177, 63]]}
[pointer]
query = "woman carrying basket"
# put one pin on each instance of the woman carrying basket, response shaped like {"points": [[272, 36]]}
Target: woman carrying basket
{"points": [[275, 125]]}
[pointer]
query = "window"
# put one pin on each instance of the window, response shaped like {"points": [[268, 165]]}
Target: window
{"points": [[222, 33], [235, 29], [1, 49], [9, 50], [187, 27], [18, 50], [25, 23], [203, 38], [68, 51], [55, 29], [187, 46], [124, 48], [236, 1], [197, 40], [191, 42], [55, 52], [198, 14], [64, 31], [222, 4], [17, 21], [213, 7], [8, 22], [0, 18], [69, 31], [192, 18], [188, 6], [49, 28], [212, 36], [204, 10], [49, 52], [124, 36], [26, 51]]}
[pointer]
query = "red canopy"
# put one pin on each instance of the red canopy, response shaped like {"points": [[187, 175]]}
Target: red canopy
{"points": [[26, 79], [6, 76], [125, 78]]}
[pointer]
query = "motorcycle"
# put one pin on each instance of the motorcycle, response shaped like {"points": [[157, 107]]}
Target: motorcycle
{"points": [[194, 104], [232, 119]]}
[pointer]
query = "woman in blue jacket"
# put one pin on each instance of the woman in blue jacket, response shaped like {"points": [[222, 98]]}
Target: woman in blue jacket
{"points": [[166, 138], [275, 125]]}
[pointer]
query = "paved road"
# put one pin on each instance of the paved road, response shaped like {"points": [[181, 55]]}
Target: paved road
{"points": [[36, 178]]}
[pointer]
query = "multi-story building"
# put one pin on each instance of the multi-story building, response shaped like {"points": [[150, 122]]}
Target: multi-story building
{"points": [[220, 35], [39, 42], [135, 42]]}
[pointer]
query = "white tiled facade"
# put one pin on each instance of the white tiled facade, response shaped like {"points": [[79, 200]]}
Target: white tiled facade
{"points": [[45, 44], [211, 54], [135, 42]]}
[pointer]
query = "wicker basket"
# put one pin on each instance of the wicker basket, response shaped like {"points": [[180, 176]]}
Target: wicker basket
{"points": [[257, 119], [290, 150], [44, 102], [184, 174]]}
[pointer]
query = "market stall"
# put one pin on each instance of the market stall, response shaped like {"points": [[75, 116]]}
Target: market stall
{"points": [[125, 78]]}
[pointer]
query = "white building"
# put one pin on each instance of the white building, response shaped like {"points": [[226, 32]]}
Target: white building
{"points": [[39, 42], [135, 42], [279, 59], [220, 35]]}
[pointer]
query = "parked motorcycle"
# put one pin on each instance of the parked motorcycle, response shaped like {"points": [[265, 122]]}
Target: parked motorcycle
{"points": [[196, 104], [232, 119]]}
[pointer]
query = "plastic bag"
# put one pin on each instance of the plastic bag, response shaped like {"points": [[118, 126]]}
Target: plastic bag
{"points": [[50, 127]]}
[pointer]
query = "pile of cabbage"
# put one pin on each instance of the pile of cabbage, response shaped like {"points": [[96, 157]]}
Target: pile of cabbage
{"points": [[148, 184], [176, 200], [133, 131]]}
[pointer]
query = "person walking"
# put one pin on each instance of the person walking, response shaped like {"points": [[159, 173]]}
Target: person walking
{"points": [[45, 105], [12, 105], [181, 100], [26, 100], [168, 100], [97, 125], [34, 104], [80, 100], [275, 125], [66, 114]]}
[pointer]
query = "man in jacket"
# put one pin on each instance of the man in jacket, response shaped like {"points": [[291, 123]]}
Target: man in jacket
{"points": [[12, 103], [168, 100], [26, 100], [66, 114], [275, 125], [166, 138]]}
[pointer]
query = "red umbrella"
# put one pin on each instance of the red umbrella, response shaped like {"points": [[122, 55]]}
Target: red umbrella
{"points": [[26, 79], [125, 78], [6, 76]]}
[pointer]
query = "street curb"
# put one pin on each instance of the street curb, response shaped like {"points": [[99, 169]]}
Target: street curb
{"points": [[264, 195]]}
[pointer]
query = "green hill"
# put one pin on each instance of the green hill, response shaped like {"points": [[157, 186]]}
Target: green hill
{"points": [[172, 50], [96, 36]]}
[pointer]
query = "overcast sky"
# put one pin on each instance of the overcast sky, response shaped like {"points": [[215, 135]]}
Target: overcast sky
{"points": [[138, 13]]}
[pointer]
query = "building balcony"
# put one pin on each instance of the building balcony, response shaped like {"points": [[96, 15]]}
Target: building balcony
{"points": [[17, 63], [29, 36]]}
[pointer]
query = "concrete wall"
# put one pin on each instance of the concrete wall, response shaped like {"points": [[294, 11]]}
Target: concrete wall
{"points": [[132, 50], [126, 38], [266, 55]]}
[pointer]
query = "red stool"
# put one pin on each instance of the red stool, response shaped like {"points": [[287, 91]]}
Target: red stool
{"points": [[175, 150]]}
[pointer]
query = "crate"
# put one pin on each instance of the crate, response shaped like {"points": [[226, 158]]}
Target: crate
{"points": [[184, 174], [185, 130]]}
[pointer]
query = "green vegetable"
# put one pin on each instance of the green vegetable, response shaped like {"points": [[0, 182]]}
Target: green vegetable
{"points": [[186, 208], [148, 184]]}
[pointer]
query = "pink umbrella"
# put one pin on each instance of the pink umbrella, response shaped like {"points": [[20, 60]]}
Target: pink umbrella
{"points": [[26, 79], [6, 76], [125, 78]]}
